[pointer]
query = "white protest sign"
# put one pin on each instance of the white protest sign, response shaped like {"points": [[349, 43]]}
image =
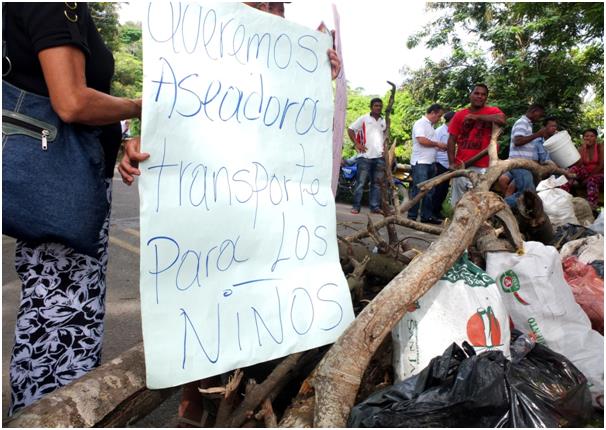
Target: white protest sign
{"points": [[239, 260]]}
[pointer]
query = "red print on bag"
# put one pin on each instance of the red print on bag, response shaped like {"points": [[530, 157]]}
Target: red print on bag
{"points": [[483, 329]]}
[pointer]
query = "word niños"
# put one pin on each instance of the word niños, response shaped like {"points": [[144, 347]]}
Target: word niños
{"points": [[303, 314]]}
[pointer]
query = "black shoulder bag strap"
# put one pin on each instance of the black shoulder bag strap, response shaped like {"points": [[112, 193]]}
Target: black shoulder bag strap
{"points": [[9, 65]]}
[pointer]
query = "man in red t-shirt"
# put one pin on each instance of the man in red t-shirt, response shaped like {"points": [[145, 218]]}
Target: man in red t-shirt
{"points": [[470, 130]]}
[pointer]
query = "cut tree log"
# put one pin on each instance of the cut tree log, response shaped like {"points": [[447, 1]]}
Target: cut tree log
{"points": [[300, 414]]}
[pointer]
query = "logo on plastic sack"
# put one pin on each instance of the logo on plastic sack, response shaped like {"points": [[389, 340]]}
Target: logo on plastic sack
{"points": [[483, 329], [510, 283]]}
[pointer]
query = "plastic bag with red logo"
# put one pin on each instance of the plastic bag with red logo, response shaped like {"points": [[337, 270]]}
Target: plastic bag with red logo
{"points": [[588, 290], [539, 300], [464, 306]]}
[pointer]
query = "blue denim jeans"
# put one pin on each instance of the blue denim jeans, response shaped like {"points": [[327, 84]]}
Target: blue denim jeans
{"points": [[524, 182], [420, 173], [372, 169]]}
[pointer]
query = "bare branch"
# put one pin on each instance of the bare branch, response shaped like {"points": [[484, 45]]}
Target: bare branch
{"points": [[427, 228], [263, 390], [444, 177], [502, 166], [493, 146]]}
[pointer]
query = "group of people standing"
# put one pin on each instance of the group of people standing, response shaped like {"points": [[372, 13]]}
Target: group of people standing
{"points": [[461, 138]]}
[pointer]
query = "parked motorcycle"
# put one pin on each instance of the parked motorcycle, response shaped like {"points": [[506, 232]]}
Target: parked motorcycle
{"points": [[348, 180]]}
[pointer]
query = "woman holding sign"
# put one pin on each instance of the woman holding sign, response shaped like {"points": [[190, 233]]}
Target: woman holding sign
{"points": [[57, 65], [191, 407]]}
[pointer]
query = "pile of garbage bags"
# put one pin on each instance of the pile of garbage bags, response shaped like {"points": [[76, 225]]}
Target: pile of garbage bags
{"points": [[531, 325], [537, 388]]}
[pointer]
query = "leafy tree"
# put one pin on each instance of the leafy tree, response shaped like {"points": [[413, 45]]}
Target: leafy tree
{"points": [[550, 53], [125, 42], [128, 73], [105, 16]]}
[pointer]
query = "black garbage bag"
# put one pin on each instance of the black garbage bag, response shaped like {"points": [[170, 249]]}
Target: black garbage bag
{"points": [[547, 390], [598, 265], [455, 390], [569, 232], [459, 389]]}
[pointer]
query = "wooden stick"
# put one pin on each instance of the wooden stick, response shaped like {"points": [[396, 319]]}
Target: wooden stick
{"points": [[262, 391], [387, 220], [444, 177], [427, 228], [388, 178], [267, 414], [227, 403]]}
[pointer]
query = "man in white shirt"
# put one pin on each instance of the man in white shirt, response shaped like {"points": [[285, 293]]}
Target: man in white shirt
{"points": [[368, 135], [424, 146], [441, 191]]}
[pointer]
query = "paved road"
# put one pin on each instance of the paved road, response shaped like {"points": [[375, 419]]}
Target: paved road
{"points": [[123, 320]]}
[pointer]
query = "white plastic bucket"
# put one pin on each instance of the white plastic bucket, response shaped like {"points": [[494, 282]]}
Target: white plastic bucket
{"points": [[561, 149]]}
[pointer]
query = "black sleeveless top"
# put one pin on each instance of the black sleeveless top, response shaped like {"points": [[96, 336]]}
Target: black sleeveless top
{"points": [[32, 27]]}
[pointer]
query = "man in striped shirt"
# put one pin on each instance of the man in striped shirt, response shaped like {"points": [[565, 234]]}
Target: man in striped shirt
{"points": [[523, 145]]}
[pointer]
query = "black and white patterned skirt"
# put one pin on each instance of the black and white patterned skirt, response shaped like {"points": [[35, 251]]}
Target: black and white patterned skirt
{"points": [[59, 329]]}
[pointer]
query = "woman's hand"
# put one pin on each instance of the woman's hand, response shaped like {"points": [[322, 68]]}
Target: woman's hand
{"points": [[129, 165], [335, 63]]}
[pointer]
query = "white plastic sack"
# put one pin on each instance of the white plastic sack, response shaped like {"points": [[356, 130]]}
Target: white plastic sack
{"points": [[557, 203], [598, 224], [539, 300], [465, 305]]}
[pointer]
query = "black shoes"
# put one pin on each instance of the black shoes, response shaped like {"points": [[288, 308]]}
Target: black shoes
{"points": [[431, 221]]}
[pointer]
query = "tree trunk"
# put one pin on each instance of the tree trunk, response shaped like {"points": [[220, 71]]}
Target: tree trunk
{"points": [[300, 414]]}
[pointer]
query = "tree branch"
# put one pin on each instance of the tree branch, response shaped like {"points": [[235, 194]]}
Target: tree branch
{"points": [[263, 390]]}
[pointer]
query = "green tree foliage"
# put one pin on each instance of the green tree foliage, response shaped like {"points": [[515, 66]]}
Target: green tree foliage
{"points": [[549, 53], [128, 73], [105, 16], [125, 42]]}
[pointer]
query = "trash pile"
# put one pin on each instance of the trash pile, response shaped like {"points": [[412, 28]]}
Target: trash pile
{"points": [[517, 343], [537, 388]]}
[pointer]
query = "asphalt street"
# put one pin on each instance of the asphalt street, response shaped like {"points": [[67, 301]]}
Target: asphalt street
{"points": [[122, 320]]}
